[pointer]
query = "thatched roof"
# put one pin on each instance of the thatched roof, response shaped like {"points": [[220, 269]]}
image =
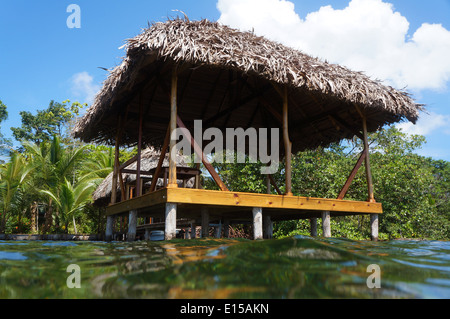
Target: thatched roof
{"points": [[149, 160], [221, 70]]}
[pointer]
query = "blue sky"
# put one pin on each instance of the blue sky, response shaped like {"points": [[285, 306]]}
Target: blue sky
{"points": [[404, 42]]}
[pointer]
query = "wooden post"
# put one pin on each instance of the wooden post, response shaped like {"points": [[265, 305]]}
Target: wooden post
{"points": [[257, 223], [147, 234], [115, 172], [173, 126], [326, 225], [313, 227], [109, 228], [226, 228], [205, 223], [268, 227], [368, 172], [219, 230], [287, 143], [171, 221], [193, 230], [139, 150], [374, 227], [132, 225]]}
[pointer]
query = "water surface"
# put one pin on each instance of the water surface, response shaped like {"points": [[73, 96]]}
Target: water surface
{"points": [[298, 267]]}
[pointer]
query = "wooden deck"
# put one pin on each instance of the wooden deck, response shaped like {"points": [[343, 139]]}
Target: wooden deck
{"points": [[237, 205]]}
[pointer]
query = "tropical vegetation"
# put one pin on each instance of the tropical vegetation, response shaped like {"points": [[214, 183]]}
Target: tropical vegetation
{"points": [[47, 181]]}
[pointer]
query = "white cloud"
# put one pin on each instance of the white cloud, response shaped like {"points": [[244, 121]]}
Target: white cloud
{"points": [[426, 124], [83, 87], [367, 35]]}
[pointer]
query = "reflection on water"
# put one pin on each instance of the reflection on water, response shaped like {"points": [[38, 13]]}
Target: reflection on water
{"points": [[299, 267]]}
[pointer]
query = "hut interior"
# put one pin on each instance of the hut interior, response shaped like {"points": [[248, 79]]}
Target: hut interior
{"points": [[179, 71]]}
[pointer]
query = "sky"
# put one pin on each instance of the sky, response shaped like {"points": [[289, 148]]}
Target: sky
{"points": [[404, 43]]}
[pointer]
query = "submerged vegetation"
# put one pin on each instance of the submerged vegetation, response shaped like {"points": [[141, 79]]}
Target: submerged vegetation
{"points": [[47, 182]]}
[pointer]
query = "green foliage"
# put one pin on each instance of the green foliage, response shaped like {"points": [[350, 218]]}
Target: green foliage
{"points": [[414, 190], [46, 123], [5, 144], [60, 175], [12, 177]]}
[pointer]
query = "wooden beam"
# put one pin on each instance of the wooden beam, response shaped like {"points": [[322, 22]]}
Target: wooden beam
{"points": [[129, 162], [352, 175], [239, 200], [274, 184], [339, 122], [135, 171], [237, 105], [205, 161], [173, 126], [287, 143], [219, 198], [160, 161]]}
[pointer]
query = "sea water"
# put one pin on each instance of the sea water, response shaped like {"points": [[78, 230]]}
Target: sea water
{"points": [[290, 268]]}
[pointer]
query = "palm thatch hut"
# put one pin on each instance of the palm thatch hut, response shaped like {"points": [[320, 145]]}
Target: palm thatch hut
{"points": [[179, 71], [149, 161]]}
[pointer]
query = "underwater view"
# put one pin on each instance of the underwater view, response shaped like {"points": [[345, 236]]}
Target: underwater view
{"points": [[290, 268]]}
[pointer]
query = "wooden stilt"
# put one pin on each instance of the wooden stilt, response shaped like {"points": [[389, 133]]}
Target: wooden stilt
{"points": [[257, 223], [226, 228], [109, 228], [132, 225], [139, 150], [147, 234], [268, 227], [313, 227], [173, 126], [219, 230], [193, 230], [326, 225], [205, 223], [287, 143], [374, 226], [171, 221]]}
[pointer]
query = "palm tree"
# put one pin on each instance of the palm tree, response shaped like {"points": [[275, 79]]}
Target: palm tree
{"points": [[12, 177], [56, 163], [71, 199]]}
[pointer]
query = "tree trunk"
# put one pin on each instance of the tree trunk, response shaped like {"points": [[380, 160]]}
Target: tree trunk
{"points": [[74, 225], [34, 212], [48, 217], [3, 222]]}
